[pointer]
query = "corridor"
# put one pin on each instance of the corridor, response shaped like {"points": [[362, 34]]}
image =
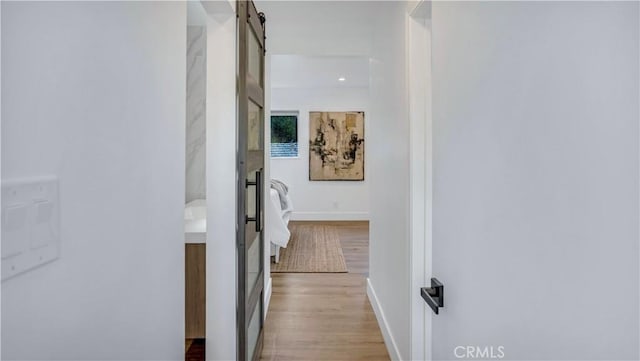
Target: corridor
{"points": [[325, 316]]}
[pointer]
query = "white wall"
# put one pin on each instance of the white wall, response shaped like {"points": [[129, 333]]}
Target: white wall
{"points": [[95, 94], [268, 285], [221, 181], [421, 172], [389, 178], [0, 168], [321, 200], [319, 27], [344, 39], [536, 178]]}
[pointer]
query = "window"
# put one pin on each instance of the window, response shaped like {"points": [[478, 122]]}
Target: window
{"points": [[284, 134]]}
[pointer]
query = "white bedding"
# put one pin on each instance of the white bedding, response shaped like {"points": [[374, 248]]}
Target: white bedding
{"points": [[278, 231]]}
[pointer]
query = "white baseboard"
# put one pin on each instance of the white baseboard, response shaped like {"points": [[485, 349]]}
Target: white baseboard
{"points": [[392, 347], [267, 296], [330, 216]]}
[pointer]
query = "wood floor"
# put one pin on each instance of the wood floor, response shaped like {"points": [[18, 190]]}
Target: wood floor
{"points": [[325, 316], [194, 349]]}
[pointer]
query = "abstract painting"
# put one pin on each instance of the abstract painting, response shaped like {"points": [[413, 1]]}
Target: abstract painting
{"points": [[336, 146]]}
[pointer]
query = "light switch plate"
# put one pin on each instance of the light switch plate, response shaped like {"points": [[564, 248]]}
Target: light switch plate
{"points": [[30, 224], [15, 233]]}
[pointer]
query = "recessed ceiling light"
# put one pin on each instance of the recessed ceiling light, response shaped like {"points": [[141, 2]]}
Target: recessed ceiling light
{"points": [[342, 78]]}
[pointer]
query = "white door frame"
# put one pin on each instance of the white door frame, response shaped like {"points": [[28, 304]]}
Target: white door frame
{"points": [[421, 185], [221, 180]]}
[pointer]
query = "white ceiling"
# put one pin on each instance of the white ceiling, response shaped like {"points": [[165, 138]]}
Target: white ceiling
{"points": [[302, 71]]}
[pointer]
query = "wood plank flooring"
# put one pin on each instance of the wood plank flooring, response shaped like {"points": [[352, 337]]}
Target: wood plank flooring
{"points": [[325, 316]]}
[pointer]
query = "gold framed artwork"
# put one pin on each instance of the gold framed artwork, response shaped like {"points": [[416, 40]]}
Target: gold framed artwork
{"points": [[336, 146]]}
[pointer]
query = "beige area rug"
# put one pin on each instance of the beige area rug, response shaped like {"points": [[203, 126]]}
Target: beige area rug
{"points": [[311, 249]]}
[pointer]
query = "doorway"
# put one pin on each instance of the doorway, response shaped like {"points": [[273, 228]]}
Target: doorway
{"points": [[195, 209], [318, 310]]}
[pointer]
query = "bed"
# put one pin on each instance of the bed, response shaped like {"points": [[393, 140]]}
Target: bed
{"points": [[281, 207]]}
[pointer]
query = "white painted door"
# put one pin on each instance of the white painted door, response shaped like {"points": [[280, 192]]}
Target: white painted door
{"points": [[535, 180]]}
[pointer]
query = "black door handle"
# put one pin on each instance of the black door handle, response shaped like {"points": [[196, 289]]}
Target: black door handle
{"points": [[434, 295], [259, 187], [258, 214]]}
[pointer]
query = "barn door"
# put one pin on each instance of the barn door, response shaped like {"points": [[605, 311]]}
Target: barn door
{"points": [[250, 170]]}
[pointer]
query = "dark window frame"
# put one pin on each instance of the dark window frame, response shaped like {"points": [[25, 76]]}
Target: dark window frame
{"points": [[295, 144]]}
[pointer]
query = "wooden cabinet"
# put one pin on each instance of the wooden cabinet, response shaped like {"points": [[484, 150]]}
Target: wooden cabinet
{"points": [[195, 290]]}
